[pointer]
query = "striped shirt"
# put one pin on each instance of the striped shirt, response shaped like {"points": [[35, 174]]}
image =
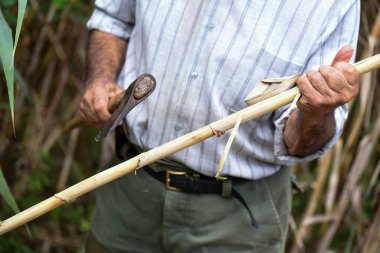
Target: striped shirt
{"points": [[208, 55]]}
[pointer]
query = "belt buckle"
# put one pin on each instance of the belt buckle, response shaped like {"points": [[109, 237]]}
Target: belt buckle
{"points": [[175, 173]]}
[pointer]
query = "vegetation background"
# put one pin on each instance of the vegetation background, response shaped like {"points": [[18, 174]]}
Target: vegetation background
{"points": [[339, 210]]}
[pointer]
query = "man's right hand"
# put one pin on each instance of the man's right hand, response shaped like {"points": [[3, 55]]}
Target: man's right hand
{"points": [[94, 102]]}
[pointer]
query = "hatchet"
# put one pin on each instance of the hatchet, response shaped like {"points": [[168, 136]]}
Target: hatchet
{"points": [[121, 104]]}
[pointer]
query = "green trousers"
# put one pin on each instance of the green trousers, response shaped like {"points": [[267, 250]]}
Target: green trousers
{"points": [[136, 213]]}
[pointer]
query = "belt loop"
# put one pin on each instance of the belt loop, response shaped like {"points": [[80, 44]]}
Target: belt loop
{"points": [[227, 188]]}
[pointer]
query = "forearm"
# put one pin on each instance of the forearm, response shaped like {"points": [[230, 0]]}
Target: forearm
{"points": [[105, 56], [305, 134]]}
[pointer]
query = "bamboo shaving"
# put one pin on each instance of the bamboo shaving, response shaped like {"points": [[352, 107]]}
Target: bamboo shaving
{"points": [[276, 79], [62, 198], [264, 90], [227, 148]]}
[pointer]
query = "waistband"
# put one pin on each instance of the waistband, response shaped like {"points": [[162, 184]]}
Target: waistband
{"points": [[181, 178]]}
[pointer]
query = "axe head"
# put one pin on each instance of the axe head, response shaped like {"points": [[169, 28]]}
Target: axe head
{"points": [[137, 91]]}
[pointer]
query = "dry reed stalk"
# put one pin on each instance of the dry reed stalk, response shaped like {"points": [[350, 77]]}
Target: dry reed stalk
{"points": [[89, 184], [35, 59], [68, 161], [374, 178], [318, 186], [334, 178], [373, 42], [365, 92], [54, 135], [342, 163], [293, 227], [372, 240], [366, 147]]}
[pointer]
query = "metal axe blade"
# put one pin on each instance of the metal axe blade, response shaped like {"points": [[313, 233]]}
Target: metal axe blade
{"points": [[137, 91]]}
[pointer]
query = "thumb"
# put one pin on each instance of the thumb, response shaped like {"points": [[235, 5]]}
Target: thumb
{"points": [[344, 54]]}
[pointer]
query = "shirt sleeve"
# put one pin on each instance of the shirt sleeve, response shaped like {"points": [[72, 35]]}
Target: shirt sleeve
{"points": [[343, 30], [116, 17]]}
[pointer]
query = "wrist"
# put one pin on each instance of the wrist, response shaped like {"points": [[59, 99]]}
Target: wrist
{"points": [[103, 81], [305, 133], [317, 117]]}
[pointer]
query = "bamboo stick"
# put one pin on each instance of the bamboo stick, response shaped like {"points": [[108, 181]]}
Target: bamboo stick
{"points": [[70, 194], [363, 66]]}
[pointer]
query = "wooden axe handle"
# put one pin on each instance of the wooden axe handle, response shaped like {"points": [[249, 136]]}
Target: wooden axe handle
{"points": [[115, 101]]}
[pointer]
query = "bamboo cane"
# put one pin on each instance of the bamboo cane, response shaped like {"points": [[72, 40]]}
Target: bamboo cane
{"points": [[362, 66], [253, 111]]}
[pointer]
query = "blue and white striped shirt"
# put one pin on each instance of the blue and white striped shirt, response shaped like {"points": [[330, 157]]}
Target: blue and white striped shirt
{"points": [[206, 57]]}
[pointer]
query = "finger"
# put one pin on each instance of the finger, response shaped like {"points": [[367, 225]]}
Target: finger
{"points": [[334, 78], [307, 93], [306, 88], [86, 111], [100, 110], [318, 83], [343, 55], [351, 74]]}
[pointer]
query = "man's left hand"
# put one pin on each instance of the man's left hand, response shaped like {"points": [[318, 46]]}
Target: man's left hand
{"points": [[313, 123], [329, 87]]}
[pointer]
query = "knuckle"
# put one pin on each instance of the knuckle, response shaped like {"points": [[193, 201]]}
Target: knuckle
{"points": [[301, 79], [341, 65], [329, 71], [317, 102], [352, 74], [98, 107], [351, 70], [324, 68], [349, 95], [313, 76]]}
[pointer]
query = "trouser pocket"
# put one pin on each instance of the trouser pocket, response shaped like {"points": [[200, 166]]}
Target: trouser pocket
{"points": [[269, 199]]}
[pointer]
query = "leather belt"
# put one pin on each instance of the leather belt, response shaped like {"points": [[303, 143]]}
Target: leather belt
{"points": [[196, 184], [179, 180]]}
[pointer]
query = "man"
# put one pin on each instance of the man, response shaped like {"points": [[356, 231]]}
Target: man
{"points": [[206, 56]]}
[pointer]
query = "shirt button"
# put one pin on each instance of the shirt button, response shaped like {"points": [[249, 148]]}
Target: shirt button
{"points": [[210, 27], [178, 127], [194, 75]]}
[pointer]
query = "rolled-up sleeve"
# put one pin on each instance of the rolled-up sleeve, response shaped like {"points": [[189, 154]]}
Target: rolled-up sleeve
{"points": [[339, 32], [116, 17]]}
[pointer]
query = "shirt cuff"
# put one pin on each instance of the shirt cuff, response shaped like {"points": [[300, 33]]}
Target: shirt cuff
{"points": [[102, 21], [280, 150]]}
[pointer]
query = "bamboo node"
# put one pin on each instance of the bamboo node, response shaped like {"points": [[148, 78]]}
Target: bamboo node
{"points": [[217, 133], [140, 162]]}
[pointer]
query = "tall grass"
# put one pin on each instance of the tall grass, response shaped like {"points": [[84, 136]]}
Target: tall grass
{"points": [[339, 211], [7, 52], [342, 206]]}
